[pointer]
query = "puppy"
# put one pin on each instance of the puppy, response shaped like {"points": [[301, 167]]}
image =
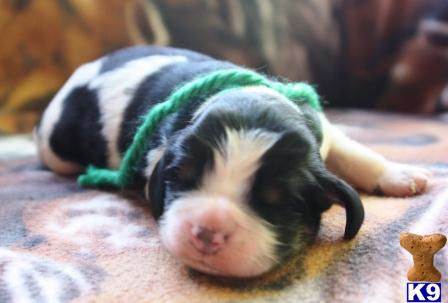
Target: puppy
{"points": [[237, 181]]}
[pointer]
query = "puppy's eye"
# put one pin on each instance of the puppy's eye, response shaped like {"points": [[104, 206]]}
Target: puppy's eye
{"points": [[272, 195], [185, 171]]}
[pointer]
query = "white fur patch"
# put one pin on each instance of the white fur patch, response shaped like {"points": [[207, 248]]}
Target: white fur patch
{"points": [[237, 161], [326, 136], [52, 114], [152, 159], [116, 89], [219, 204]]}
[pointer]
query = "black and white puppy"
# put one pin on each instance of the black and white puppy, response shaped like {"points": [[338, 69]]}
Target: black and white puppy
{"points": [[238, 181]]}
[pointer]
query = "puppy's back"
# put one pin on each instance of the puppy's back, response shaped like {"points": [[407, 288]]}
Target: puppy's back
{"points": [[93, 117]]}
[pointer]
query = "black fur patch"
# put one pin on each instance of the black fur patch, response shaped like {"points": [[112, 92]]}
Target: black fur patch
{"points": [[77, 135], [287, 170]]}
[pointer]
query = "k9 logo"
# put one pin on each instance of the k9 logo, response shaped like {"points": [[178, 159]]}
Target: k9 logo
{"points": [[424, 292]]}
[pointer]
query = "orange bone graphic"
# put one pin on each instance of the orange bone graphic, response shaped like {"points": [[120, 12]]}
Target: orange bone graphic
{"points": [[423, 249]]}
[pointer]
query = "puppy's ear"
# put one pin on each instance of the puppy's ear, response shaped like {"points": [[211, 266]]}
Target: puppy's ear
{"points": [[156, 189], [339, 191]]}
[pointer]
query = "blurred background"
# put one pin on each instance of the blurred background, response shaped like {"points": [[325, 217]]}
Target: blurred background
{"points": [[377, 54]]}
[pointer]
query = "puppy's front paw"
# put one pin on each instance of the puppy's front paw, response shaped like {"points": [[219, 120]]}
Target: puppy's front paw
{"points": [[400, 180]]}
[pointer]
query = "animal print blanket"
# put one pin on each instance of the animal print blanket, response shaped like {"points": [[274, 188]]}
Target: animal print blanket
{"points": [[62, 243]]}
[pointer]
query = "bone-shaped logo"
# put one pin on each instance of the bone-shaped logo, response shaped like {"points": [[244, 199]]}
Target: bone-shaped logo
{"points": [[423, 249]]}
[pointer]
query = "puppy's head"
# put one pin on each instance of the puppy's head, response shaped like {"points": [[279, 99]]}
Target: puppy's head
{"points": [[239, 193]]}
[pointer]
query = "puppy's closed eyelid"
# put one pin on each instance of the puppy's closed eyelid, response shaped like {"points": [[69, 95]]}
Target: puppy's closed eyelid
{"points": [[186, 170], [272, 195], [183, 171]]}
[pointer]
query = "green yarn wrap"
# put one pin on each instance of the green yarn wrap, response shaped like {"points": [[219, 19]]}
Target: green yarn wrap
{"points": [[203, 86]]}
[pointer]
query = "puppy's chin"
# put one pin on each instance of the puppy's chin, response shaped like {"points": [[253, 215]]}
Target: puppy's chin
{"points": [[249, 248]]}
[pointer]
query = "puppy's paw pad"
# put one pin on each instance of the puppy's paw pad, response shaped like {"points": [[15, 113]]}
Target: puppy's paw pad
{"points": [[401, 180]]}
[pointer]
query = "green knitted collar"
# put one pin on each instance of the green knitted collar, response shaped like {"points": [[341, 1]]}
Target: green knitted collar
{"points": [[203, 86]]}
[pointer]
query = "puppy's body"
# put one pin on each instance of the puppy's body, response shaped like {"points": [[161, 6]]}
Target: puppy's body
{"points": [[238, 180], [92, 119]]}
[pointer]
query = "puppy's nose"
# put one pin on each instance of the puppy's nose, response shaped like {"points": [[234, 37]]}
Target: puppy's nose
{"points": [[208, 241]]}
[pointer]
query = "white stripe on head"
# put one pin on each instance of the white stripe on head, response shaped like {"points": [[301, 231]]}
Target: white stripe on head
{"points": [[116, 89], [52, 114], [236, 161]]}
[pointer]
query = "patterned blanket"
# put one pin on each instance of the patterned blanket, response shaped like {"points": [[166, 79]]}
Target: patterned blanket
{"points": [[61, 243]]}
